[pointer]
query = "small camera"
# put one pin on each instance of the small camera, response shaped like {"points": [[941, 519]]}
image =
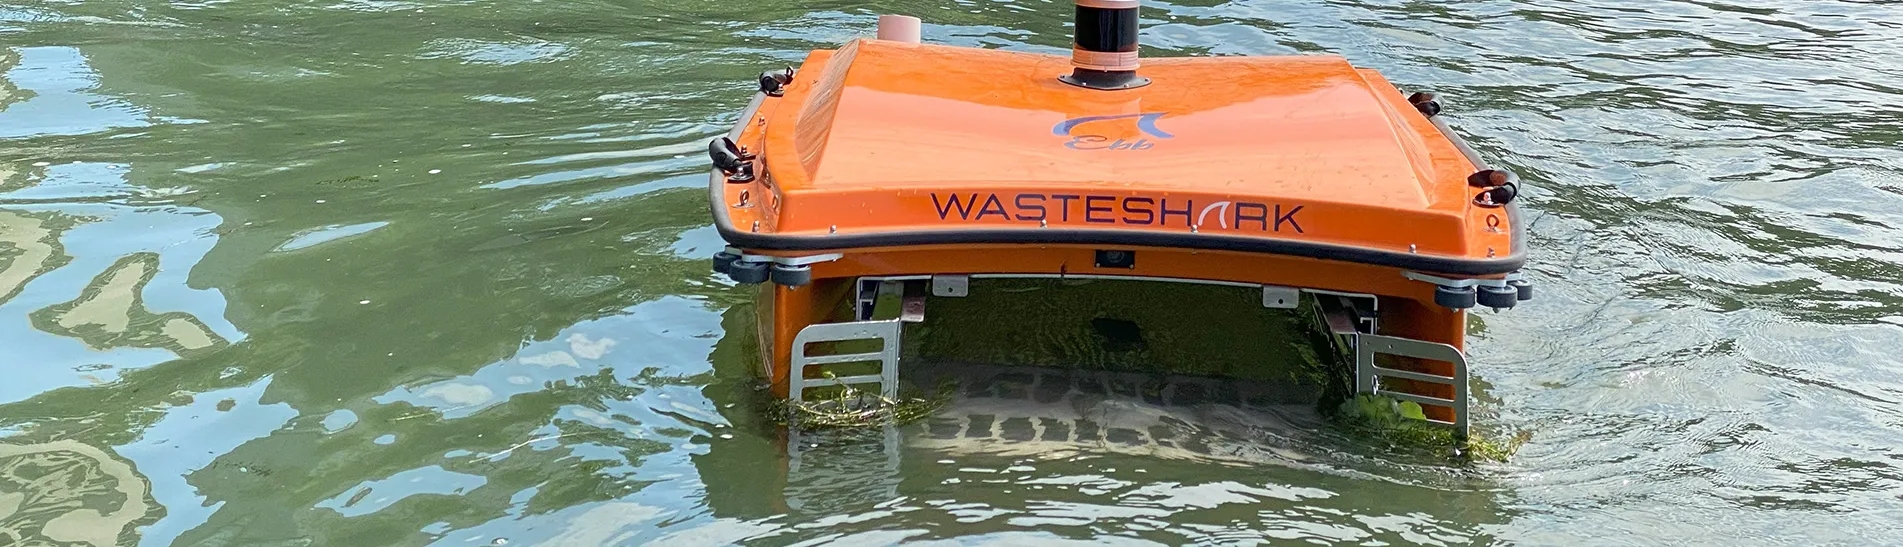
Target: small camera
{"points": [[1108, 258]]}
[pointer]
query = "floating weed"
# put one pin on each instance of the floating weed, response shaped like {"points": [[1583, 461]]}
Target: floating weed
{"points": [[1400, 425], [849, 407]]}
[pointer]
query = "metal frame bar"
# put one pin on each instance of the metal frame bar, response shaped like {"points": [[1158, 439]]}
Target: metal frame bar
{"points": [[861, 313], [1347, 322], [1116, 278], [1464, 282], [784, 260]]}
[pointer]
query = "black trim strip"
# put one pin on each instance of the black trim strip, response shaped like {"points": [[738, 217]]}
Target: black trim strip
{"points": [[1215, 242]]}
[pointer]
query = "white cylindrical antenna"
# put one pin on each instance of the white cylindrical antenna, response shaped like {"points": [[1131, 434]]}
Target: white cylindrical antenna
{"points": [[899, 28]]}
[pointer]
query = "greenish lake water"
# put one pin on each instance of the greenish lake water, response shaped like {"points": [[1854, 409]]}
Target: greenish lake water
{"points": [[386, 272]]}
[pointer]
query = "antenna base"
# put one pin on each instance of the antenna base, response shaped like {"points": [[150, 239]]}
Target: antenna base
{"points": [[1104, 79]]}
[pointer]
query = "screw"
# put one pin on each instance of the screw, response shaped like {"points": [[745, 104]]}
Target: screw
{"points": [[756, 226], [1412, 248], [834, 229]]}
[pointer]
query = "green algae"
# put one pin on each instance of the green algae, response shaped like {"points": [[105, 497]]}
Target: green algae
{"points": [[1401, 426]]}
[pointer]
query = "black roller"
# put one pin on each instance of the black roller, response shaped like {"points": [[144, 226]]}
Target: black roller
{"points": [[1523, 287], [748, 272], [723, 261], [792, 276], [1498, 298], [1458, 298]]}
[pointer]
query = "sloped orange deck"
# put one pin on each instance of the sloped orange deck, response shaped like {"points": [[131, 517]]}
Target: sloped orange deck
{"points": [[883, 144]]}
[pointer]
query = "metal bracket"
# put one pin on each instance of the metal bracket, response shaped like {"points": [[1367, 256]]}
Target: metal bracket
{"points": [[872, 290], [951, 285], [887, 332], [912, 307], [1280, 297], [1339, 317], [1344, 319], [1368, 374], [867, 298], [1464, 282], [786, 260]]}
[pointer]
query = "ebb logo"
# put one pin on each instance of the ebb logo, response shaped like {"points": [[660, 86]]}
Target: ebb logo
{"points": [[1088, 134]]}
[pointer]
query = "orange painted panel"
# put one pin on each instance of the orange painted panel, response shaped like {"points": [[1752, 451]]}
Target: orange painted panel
{"points": [[885, 137]]}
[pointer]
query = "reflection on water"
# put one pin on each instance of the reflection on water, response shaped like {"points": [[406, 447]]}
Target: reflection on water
{"points": [[9, 92], [49, 89], [111, 313], [1053, 413], [54, 492], [33, 249], [427, 273]]}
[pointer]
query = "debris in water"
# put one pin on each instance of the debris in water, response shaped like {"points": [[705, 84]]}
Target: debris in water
{"points": [[1400, 423], [849, 408]]}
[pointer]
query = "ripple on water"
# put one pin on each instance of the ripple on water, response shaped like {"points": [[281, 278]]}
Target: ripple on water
{"points": [[327, 234], [1713, 185], [51, 93]]}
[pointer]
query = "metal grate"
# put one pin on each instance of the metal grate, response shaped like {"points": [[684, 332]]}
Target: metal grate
{"points": [[887, 332], [1368, 375]]}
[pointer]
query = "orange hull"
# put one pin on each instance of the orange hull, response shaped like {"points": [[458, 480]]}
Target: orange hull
{"points": [[894, 144], [885, 159]]}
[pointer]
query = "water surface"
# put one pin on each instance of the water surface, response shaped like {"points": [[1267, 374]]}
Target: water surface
{"points": [[368, 272]]}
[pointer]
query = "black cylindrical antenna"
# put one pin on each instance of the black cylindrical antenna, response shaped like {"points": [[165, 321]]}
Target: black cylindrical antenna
{"points": [[1104, 52]]}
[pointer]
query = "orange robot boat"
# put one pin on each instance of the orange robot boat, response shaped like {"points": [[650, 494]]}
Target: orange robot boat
{"points": [[889, 162]]}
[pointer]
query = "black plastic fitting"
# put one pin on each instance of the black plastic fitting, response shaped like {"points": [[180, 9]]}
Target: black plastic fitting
{"points": [[773, 82], [1427, 103], [728, 159]]}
